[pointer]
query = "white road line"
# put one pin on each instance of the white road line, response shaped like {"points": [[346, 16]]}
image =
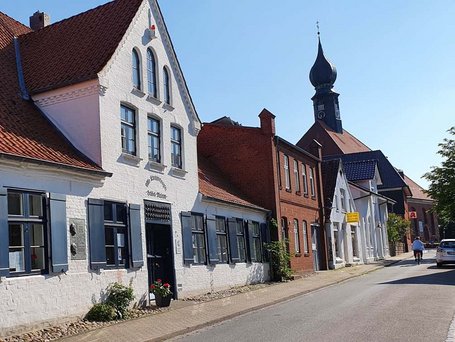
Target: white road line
{"points": [[451, 333]]}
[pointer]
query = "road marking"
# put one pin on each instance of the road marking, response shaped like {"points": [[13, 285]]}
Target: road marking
{"points": [[451, 333]]}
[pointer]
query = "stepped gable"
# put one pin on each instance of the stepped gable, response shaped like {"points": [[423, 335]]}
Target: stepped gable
{"points": [[24, 130], [75, 49], [214, 185]]}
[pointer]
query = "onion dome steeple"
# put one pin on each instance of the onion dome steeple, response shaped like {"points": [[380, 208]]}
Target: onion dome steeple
{"points": [[323, 75]]}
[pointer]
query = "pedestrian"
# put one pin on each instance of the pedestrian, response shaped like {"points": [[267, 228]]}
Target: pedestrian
{"points": [[418, 247]]}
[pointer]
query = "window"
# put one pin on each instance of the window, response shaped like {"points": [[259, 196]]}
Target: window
{"points": [[128, 129], [176, 145], [27, 232], [221, 239], [198, 237], [335, 199], [151, 74], [305, 181], [240, 232], [306, 249], [154, 140], [136, 70], [166, 86], [313, 194], [255, 243], [343, 199], [115, 234], [296, 176], [286, 173], [296, 236]]}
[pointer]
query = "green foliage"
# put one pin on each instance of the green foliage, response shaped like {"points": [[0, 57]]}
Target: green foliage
{"points": [[119, 297], [101, 312], [279, 260], [397, 227], [442, 181]]}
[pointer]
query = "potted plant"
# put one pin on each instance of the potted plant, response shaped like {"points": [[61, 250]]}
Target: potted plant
{"points": [[162, 292]]}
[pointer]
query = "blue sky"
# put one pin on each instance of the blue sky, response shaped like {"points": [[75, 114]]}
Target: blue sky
{"points": [[394, 59]]}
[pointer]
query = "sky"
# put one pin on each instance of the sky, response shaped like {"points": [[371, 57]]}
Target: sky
{"points": [[394, 59]]}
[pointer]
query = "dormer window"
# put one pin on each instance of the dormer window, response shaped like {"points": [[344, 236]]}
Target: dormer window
{"points": [[136, 70], [166, 86], [151, 74]]}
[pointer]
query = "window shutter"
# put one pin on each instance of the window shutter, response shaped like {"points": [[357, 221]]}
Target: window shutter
{"points": [[265, 238], [212, 241], [4, 233], [233, 247], [137, 255], [59, 235], [250, 242], [96, 234], [187, 238]]}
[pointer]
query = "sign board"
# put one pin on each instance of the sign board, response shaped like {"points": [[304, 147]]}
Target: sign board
{"points": [[413, 214], [353, 217]]}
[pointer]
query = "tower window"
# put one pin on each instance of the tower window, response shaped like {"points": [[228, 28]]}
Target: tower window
{"points": [[151, 74], [136, 70]]}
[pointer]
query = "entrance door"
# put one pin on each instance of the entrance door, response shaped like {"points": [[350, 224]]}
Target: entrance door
{"points": [[160, 257], [314, 247]]}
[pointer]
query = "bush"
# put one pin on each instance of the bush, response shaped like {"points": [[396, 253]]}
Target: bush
{"points": [[101, 312], [119, 297], [279, 260]]}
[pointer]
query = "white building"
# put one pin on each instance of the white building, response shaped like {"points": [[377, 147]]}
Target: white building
{"points": [[98, 173]]}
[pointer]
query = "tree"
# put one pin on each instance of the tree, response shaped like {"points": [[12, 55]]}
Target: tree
{"points": [[442, 181], [397, 227]]}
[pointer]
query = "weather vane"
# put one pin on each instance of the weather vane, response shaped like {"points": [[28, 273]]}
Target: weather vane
{"points": [[317, 25]]}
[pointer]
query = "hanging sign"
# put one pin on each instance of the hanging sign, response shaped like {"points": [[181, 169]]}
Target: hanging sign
{"points": [[353, 217], [413, 214]]}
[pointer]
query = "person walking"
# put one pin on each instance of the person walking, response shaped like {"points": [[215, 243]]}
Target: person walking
{"points": [[418, 247]]}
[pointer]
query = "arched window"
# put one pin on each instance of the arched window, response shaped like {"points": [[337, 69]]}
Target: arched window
{"points": [[136, 70], [151, 73], [167, 86]]}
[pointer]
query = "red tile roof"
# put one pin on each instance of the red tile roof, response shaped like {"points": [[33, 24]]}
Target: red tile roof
{"points": [[24, 131], [417, 191], [214, 185], [346, 141], [75, 49]]}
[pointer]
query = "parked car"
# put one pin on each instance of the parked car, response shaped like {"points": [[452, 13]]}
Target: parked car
{"points": [[445, 254]]}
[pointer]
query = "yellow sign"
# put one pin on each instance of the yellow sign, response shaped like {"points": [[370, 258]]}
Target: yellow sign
{"points": [[352, 217]]}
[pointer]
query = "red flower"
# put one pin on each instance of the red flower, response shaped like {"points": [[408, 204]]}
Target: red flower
{"points": [[166, 285], [152, 287], [158, 280]]}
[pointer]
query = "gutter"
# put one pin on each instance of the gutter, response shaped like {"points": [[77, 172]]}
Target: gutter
{"points": [[213, 199]]}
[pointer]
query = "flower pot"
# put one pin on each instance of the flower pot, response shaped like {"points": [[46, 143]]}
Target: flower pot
{"points": [[161, 301]]}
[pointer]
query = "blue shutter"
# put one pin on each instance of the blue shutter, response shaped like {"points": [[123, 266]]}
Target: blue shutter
{"points": [[59, 236], [212, 240], [137, 255], [265, 238], [250, 242], [187, 238], [4, 233], [233, 247], [96, 234]]}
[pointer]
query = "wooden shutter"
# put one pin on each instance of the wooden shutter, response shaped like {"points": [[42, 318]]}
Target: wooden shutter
{"points": [[96, 234], [137, 255], [59, 235], [250, 241], [233, 247], [187, 238], [265, 238], [4, 233], [212, 240]]}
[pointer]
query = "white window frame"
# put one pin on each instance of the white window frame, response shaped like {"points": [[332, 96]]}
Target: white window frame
{"points": [[287, 175]]}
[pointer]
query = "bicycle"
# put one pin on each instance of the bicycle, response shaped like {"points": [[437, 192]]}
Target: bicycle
{"points": [[418, 256]]}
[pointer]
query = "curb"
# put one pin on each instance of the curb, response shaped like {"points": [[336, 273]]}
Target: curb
{"points": [[265, 305]]}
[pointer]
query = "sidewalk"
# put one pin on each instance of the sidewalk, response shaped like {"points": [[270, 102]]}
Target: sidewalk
{"points": [[183, 319]]}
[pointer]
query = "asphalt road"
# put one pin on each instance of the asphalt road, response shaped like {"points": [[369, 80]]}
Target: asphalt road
{"points": [[403, 302]]}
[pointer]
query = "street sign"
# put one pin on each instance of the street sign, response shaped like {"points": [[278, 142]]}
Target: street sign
{"points": [[353, 217]]}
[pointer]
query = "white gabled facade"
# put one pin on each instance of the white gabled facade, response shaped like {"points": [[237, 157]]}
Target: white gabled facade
{"points": [[155, 194]]}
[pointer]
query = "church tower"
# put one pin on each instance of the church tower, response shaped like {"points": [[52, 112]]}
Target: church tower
{"points": [[323, 75]]}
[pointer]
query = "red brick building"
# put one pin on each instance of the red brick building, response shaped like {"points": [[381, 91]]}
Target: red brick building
{"points": [[276, 175]]}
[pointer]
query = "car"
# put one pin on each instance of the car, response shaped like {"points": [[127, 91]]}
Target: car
{"points": [[445, 254]]}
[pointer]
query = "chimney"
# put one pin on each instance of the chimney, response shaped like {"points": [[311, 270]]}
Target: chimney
{"points": [[39, 20], [267, 122]]}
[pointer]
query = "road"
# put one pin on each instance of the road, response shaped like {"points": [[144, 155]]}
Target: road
{"points": [[403, 302]]}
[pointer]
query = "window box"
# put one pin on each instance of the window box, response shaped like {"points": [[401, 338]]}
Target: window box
{"points": [[178, 172], [153, 100], [154, 166], [137, 92], [168, 107], [130, 158]]}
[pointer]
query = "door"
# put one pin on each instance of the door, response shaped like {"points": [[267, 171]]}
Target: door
{"points": [[160, 257], [314, 247]]}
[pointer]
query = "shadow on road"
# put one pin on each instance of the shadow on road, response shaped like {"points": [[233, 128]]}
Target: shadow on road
{"points": [[440, 278]]}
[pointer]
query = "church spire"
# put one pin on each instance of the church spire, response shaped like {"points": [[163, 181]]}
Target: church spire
{"points": [[323, 75]]}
